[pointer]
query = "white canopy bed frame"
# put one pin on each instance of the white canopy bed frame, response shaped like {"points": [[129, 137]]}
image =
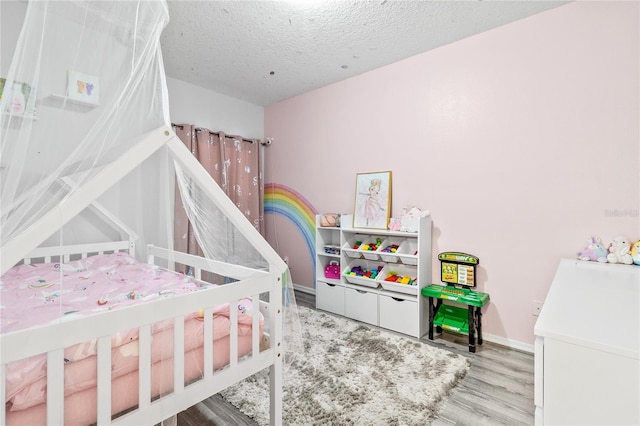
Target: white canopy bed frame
{"points": [[250, 283], [65, 155]]}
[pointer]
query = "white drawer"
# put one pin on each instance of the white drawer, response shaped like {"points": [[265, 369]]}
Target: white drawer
{"points": [[330, 297], [361, 305], [399, 315]]}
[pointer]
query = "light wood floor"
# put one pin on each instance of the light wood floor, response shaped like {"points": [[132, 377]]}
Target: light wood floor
{"points": [[497, 390]]}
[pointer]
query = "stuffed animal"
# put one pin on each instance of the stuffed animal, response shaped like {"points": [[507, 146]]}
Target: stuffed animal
{"points": [[594, 250], [410, 219], [619, 251], [394, 224], [635, 253]]}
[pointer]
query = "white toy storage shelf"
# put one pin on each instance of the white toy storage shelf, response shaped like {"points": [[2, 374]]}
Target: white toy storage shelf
{"points": [[394, 306]]}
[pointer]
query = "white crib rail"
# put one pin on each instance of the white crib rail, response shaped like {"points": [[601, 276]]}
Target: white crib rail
{"points": [[78, 251], [53, 338]]}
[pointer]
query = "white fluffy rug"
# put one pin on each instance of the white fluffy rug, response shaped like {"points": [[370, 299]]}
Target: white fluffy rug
{"points": [[352, 374]]}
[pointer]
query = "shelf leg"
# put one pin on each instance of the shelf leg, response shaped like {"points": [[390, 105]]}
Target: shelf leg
{"points": [[431, 316], [472, 331], [479, 323]]}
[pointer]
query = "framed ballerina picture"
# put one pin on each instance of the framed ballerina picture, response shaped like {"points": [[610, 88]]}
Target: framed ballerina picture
{"points": [[373, 200]]}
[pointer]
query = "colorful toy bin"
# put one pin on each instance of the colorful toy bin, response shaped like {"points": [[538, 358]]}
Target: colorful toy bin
{"points": [[352, 246], [388, 250], [369, 248], [399, 278], [363, 272]]}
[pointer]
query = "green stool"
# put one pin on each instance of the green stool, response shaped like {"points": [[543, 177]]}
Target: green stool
{"points": [[453, 318]]}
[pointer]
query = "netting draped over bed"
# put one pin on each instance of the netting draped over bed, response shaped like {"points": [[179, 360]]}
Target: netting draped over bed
{"points": [[88, 155], [85, 84]]}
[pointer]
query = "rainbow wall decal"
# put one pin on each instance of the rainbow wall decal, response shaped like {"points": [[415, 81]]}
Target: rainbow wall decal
{"points": [[282, 200]]}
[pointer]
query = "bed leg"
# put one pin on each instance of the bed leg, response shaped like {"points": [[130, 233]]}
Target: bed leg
{"points": [[275, 395], [171, 421], [276, 369]]}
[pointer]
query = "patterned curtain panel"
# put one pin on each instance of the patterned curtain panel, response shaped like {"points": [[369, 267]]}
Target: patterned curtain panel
{"points": [[241, 177], [234, 163]]}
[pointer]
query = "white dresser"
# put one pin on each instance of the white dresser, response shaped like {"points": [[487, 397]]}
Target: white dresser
{"points": [[587, 351]]}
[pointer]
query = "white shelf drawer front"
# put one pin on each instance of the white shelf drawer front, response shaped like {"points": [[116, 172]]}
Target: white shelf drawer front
{"points": [[399, 315], [330, 297], [361, 305]]}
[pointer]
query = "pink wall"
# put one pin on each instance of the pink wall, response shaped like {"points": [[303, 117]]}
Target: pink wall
{"points": [[521, 141]]}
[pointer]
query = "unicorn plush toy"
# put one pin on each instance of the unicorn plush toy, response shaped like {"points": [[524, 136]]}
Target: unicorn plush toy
{"points": [[594, 250]]}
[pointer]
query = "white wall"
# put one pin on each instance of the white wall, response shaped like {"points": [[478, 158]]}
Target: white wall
{"points": [[11, 17], [522, 141], [192, 104]]}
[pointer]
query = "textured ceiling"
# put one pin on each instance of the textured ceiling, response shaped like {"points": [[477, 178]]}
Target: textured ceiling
{"points": [[266, 51]]}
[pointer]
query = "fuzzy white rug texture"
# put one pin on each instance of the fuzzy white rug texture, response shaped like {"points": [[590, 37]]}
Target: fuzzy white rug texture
{"points": [[352, 374]]}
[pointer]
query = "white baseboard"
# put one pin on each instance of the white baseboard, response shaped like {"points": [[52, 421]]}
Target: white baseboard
{"points": [[304, 289], [509, 343], [513, 344]]}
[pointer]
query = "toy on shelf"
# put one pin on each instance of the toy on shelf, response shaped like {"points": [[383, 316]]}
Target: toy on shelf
{"points": [[593, 251], [332, 270], [635, 253], [619, 251], [409, 221], [372, 246], [364, 272], [332, 249], [394, 224], [391, 248], [394, 277]]}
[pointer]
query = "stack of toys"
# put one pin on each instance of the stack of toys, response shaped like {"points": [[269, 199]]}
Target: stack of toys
{"points": [[390, 249], [365, 273], [371, 246], [404, 279]]}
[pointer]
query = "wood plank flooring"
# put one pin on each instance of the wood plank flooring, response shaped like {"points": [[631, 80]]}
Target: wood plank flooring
{"points": [[497, 390]]}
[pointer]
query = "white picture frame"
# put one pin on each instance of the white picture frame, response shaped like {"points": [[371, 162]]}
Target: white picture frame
{"points": [[83, 87]]}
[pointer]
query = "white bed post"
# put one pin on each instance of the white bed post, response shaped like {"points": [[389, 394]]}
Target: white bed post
{"points": [[103, 393], [3, 393], [55, 387], [276, 370]]}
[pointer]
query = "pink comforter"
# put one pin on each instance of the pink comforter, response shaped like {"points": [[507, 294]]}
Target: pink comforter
{"points": [[42, 293]]}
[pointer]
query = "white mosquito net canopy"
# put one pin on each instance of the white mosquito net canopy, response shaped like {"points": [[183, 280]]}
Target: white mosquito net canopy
{"points": [[85, 117], [87, 151]]}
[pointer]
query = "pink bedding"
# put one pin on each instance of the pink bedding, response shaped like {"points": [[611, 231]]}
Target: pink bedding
{"points": [[40, 294]]}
